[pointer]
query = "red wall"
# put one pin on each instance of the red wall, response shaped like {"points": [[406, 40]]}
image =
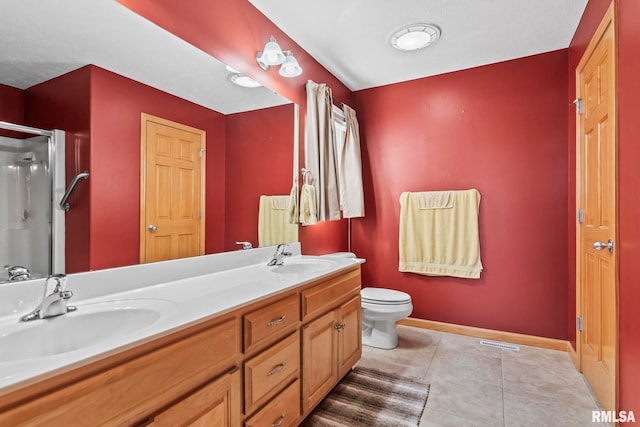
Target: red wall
{"points": [[501, 129], [258, 160], [11, 104], [63, 103], [116, 107]]}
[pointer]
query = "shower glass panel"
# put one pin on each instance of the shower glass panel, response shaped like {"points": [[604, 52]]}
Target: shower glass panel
{"points": [[30, 225]]}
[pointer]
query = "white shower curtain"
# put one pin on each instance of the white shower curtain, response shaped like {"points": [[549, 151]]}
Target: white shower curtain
{"points": [[351, 168], [320, 150]]}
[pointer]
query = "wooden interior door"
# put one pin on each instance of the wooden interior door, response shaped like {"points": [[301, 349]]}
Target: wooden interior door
{"points": [[172, 190], [596, 229]]}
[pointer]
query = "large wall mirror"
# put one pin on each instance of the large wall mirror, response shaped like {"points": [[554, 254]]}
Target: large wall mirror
{"points": [[94, 80]]}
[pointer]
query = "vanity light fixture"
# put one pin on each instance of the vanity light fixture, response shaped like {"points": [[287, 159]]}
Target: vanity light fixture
{"points": [[290, 67], [415, 36], [272, 55]]}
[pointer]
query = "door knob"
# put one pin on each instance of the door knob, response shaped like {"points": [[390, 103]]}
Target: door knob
{"points": [[598, 246], [151, 228]]}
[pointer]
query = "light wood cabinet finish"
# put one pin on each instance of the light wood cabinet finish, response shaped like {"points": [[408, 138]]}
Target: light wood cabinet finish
{"points": [[320, 370], [133, 390], [265, 323], [217, 404], [199, 376], [320, 299], [332, 343], [270, 371], [350, 335], [283, 411]]}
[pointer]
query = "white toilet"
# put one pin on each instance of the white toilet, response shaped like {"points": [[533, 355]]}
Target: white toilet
{"points": [[381, 309]]}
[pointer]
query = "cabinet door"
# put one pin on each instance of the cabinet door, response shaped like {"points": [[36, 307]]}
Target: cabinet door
{"points": [[319, 367], [217, 404], [349, 335]]}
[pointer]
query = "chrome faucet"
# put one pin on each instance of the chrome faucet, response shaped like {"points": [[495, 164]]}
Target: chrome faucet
{"points": [[17, 273], [54, 300], [278, 257], [245, 245]]}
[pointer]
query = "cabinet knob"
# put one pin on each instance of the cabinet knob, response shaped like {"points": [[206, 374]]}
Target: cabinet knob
{"points": [[340, 326]]}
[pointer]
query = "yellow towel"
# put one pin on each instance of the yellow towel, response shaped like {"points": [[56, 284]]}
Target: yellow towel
{"points": [[292, 214], [273, 222], [308, 214], [440, 241]]}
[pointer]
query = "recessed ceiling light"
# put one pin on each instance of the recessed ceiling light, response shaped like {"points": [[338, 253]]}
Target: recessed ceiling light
{"points": [[243, 80], [415, 36]]}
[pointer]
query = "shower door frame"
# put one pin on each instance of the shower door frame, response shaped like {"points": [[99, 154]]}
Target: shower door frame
{"points": [[56, 183]]}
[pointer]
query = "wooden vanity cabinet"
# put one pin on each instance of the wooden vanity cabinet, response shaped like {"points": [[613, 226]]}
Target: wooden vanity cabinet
{"points": [[267, 363], [215, 404], [332, 342], [134, 391]]}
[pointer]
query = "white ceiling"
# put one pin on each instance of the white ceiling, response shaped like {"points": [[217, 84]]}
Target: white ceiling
{"points": [[40, 40], [351, 39]]}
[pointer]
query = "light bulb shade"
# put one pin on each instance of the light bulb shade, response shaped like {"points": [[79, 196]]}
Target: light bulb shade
{"points": [[290, 67], [415, 36], [243, 80], [272, 54]]}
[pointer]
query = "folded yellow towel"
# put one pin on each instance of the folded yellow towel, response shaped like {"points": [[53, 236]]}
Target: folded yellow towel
{"points": [[273, 224], [435, 199], [280, 202], [442, 240], [308, 213]]}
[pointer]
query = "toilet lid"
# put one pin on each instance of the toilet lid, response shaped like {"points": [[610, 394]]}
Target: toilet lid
{"points": [[384, 296]]}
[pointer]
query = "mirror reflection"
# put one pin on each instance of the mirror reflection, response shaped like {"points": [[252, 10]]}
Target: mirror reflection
{"points": [[96, 86]]}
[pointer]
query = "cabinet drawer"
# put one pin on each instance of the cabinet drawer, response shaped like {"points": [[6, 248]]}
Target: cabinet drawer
{"points": [[135, 389], [270, 371], [265, 323], [327, 295], [282, 411], [217, 403]]}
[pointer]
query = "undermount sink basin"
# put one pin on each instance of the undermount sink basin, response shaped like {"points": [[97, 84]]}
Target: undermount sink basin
{"points": [[303, 264], [91, 324]]}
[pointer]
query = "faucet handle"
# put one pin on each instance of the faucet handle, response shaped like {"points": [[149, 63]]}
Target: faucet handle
{"points": [[59, 285], [245, 245]]}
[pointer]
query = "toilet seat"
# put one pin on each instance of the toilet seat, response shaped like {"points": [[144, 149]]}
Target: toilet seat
{"points": [[380, 296]]}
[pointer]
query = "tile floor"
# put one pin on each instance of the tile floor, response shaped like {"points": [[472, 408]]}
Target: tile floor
{"points": [[476, 385]]}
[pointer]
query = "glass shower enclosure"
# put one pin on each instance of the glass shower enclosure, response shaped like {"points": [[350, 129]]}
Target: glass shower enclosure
{"points": [[31, 187]]}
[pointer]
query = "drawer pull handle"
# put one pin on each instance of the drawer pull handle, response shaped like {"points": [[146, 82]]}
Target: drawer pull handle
{"points": [[276, 322], [280, 421], [340, 326], [280, 368]]}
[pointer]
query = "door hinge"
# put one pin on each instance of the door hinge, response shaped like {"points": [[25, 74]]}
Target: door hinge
{"points": [[580, 216], [199, 214], [201, 153], [578, 102], [579, 322]]}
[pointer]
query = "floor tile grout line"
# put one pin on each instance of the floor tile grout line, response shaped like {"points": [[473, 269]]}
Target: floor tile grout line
{"points": [[504, 406]]}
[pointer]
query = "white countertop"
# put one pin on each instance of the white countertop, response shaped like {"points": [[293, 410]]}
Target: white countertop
{"points": [[194, 290]]}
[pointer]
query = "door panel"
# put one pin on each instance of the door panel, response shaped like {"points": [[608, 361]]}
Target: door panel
{"points": [[172, 190], [596, 194]]}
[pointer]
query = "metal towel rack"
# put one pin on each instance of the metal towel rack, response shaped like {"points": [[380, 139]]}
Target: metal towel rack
{"points": [[63, 203]]}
